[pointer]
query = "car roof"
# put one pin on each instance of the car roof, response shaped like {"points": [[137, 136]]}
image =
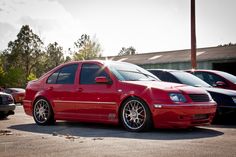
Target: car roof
{"points": [[167, 70], [91, 61], [203, 70]]}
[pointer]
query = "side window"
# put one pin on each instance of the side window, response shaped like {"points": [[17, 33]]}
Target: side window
{"points": [[156, 73], [209, 78], [199, 75], [65, 75], [53, 78], [214, 78], [89, 72], [166, 76], [170, 78]]}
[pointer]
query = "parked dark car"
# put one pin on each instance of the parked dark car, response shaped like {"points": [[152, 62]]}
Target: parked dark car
{"points": [[216, 78], [7, 105], [17, 93], [225, 99]]}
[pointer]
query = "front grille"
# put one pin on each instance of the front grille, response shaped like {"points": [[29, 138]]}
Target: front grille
{"points": [[199, 97], [5, 100]]}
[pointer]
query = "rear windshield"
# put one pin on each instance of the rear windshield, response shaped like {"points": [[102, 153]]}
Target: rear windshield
{"points": [[228, 76]]}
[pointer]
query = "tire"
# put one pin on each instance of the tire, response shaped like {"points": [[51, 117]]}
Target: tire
{"points": [[135, 115], [3, 116], [42, 112]]}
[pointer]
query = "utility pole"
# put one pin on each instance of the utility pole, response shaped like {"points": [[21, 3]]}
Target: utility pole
{"points": [[193, 36]]}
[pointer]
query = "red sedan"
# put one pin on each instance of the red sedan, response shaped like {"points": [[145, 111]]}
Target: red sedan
{"points": [[17, 93], [113, 92], [216, 78]]}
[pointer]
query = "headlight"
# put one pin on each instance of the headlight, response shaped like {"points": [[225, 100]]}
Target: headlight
{"points": [[177, 97], [234, 99]]}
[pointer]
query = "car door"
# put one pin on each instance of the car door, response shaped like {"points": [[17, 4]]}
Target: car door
{"points": [[96, 102], [60, 88]]}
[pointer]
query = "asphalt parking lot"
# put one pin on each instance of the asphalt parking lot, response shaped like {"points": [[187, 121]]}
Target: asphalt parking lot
{"points": [[20, 136]]}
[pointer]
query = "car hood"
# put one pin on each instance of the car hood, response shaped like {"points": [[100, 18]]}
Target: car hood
{"points": [[221, 91], [167, 86]]}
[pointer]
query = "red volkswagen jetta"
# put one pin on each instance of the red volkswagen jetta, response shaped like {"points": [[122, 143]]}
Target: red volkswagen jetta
{"points": [[113, 92]]}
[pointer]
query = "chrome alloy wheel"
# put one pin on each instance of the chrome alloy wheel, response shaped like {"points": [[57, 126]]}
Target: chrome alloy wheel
{"points": [[41, 111], [134, 114]]}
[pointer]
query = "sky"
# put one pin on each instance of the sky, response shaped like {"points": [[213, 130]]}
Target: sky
{"points": [[147, 25]]}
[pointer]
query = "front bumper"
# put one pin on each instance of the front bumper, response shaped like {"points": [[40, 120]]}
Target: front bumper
{"points": [[7, 109], [183, 115]]}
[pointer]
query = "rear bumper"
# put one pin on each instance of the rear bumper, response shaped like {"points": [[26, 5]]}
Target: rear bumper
{"points": [[27, 104], [183, 116], [7, 109]]}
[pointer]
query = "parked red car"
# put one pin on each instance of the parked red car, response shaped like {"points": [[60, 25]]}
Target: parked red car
{"points": [[216, 78], [113, 92], [17, 93]]}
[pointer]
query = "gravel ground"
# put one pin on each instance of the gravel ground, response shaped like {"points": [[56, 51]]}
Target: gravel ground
{"points": [[20, 136]]}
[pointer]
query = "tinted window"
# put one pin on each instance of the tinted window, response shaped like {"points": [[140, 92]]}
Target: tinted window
{"points": [[53, 78], [89, 72], [209, 78], [228, 76], [157, 73], [189, 79], [170, 78], [65, 75]]}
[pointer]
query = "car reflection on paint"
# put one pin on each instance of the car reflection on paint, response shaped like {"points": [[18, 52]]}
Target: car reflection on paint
{"points": [[115, 92]]}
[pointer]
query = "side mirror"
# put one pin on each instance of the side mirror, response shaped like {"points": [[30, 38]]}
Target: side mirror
{"points": [[220, 84], [102, 80]]}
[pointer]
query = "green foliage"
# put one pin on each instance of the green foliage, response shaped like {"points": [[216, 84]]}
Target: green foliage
{"points": [[68, 59], [86, 48], [25, 51], [54, 56], [31, 77], [2, 76], [26, 58], [14, 77], [127, 51]]}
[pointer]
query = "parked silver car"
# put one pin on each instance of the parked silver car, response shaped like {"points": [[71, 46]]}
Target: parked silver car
{"points": [[7, 105]]}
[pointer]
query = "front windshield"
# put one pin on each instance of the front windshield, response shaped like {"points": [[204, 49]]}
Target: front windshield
{"points": [[228, 76], [130, 72], [189, 79]]}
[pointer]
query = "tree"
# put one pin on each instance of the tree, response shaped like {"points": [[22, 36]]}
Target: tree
{"points": [[54, 56], [2, 73], [68, 59], [86, 48], [127, 51], [25, 52]]}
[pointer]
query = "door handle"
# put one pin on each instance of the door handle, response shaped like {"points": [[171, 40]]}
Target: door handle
{"points": [[50, 88], [79, 89]]}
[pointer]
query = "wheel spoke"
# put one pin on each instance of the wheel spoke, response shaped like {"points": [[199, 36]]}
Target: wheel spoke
{"points": [[134, 114], [41, 111]]}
